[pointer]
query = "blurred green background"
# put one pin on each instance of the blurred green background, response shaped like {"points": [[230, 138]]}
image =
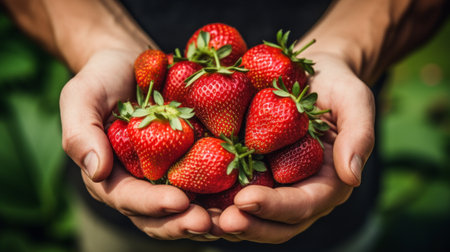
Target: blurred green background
{"points": [[413, 212]]}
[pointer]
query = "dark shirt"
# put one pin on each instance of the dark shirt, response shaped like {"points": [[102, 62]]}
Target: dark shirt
{"points": [[171, 23]]}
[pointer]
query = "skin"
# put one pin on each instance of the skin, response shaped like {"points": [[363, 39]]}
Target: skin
{"points": [[348, 60]]}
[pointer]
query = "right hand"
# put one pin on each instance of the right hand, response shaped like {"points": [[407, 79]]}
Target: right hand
{"points": [[86, 104]]}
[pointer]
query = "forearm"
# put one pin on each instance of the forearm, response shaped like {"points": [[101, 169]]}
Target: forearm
{"points": [[372, 34], [75, 29]]}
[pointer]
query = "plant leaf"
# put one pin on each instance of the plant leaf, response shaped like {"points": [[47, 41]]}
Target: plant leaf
{"points": [[243, 178], [259, 166], [147, 120], [229, 147], [140, 112], [296, 89], [158, 98], [175, 123], [281, 93], [224, 51], [232, 165], [174, 104]]}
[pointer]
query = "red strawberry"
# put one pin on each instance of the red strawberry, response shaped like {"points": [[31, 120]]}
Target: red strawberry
{"points": [[269, 61], [220, 101], [150, 65], [297, 161], [204, 168], [160, 135], [277, 118], [218, 35], [220, 96], [120, 141], [200, 130], [225, 199], [212, 165], [175, 88]]}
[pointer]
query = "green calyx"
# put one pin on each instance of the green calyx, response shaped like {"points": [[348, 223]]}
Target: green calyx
{"points": [[282, 39], [171, 112], [200, 51], [244, 160], [305, 103], [217, 68]]}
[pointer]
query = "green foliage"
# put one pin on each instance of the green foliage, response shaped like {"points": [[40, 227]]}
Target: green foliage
{"points": [[34, 211]]}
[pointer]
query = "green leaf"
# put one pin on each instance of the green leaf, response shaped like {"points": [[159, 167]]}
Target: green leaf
{"points": [[147, 120], [139, 96], [296, 89], [140, 112], [191, 50], [310, 99], [186, 115], [271, 44], [279, 36], [283, 87], [224, 71], [245, 167], [185, 110], [259, 166], [232, 165], [299, 107], [243, 178], [174, 104], [191, 79], [320, 125], [281, 93], [224, 51], [229, 147], [175, 123], [160, 116], [203, 39], [158, 98]]}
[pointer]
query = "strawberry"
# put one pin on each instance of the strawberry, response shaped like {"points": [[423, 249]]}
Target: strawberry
{"points": [[225, 199], [175, 88], [200, 130], [124, 149], [150, 65], [212, 165], [204, 168], [277, 118], [269, 61], [160, 134], [216, 35], [220, 96], [297, 161]]}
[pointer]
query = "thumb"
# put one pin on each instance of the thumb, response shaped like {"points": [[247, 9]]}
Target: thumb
{"points": [[355, 139], [83, 135]]}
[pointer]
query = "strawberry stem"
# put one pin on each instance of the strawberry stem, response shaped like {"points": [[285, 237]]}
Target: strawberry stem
{"points": [[147, 97], [297, 100], [246, 153]]}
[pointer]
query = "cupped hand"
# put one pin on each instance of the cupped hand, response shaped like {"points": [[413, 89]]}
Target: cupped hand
{"points": [[267, 215], [86, 104]]}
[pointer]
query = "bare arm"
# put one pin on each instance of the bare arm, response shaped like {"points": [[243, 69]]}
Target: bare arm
{"points": [[74, 30], [370, 35]]}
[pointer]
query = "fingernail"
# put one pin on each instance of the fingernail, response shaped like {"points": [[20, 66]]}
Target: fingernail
{"points": [[214, 210], [356, 165], [195, 232], [210, 236], [249, 207], [91, 164], [235, 233]]}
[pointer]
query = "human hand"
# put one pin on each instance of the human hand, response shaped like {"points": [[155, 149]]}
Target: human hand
{"points": [[86, 104], [267, 215]]}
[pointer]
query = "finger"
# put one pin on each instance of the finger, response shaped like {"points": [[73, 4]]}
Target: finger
{"points": [[133, 197], [84, 138], [216, 231], [355, 139], [247, 227], [85, 103], [296, 203], [193, 223]]}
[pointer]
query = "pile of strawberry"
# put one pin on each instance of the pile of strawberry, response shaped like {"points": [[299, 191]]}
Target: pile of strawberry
{"points": [[184, 127]]}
